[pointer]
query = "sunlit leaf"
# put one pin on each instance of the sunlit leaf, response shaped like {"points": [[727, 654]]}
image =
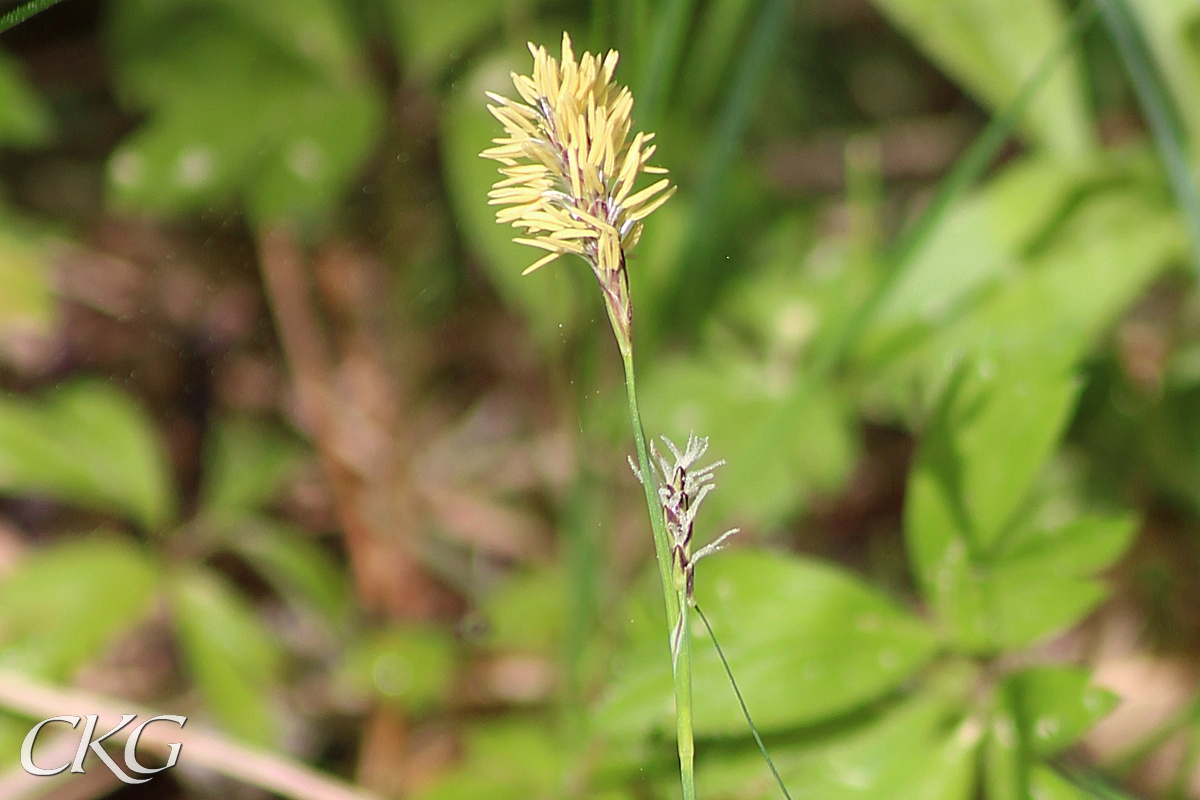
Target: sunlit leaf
{"points": [[921, 749], [89, 444], [246, 463], [991, 48], [432, 34], [1021, 581], [63, 604], [24, 120], [806, 641], [1058, 705], [784, 437], [296, 566], [269, 106], [227, 652]]}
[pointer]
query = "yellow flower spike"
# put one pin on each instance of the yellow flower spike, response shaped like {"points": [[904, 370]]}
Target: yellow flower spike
{"points": [[569, 168]]}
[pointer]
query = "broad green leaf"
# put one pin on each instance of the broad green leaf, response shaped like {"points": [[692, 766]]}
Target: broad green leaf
{"points": [[246, 463], [1030, 408], [24, 119], [65, 603], [806, 641], [920, 749], [1085, 545], [297, 567], [413, 667], [981, 241], [784, 436], [1058, 705], [432, 34], [268, 107], [1046, 784], [89, 444], [1092, 267], [227, 652], [504, 760], [548, 297], [988, 591], [992, 48]]}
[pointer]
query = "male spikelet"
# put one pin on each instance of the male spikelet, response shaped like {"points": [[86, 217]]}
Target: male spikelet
{"points": [[569, 169]]}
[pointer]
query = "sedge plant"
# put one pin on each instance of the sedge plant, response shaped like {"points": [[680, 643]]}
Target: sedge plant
{"points": [[569, 170]]}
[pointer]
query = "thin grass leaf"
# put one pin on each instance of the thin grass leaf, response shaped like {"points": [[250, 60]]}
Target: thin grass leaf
{"points": [[694, 285], [666, 47], [22, 13], [1161, 115], [967, 170], [762, 748]]}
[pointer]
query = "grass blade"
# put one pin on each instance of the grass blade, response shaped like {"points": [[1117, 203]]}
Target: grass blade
{"points": [[762, 748], [694, 283], [1161, 115], [663, 62]]}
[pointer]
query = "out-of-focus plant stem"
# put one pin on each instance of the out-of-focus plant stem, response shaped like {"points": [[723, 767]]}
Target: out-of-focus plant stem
{"points": [[672, 596]]}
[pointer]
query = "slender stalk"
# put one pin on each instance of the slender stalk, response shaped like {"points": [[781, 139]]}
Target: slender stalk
{"points": [[681, 663]]}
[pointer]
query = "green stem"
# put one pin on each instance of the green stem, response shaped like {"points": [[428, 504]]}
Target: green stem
{"points": [[683, 705], [673, 598]]}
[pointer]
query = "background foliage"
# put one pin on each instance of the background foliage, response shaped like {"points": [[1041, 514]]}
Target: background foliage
{"points": [[288, 445]]}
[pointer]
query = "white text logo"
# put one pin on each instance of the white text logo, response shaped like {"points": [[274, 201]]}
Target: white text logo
{"points": [[90, 741]]}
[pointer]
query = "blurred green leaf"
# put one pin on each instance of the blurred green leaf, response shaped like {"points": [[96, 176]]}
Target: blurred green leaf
{"points": [[1070, 289], [785, 436], [231, 657], [528, 612], [246, 463], [547, 297], [806, 641], [715, 44], [1169, 28], [296, 566], [920, 749], [268, 104], [991, 591], [1023, 404], [1046, 784], [90, 444], [432, 34], [980, 241], [505, 760], [992, 48], [24, 119], [65, 603], [27, 302], [1058, 705], [1006, 754], [413, 667]]}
